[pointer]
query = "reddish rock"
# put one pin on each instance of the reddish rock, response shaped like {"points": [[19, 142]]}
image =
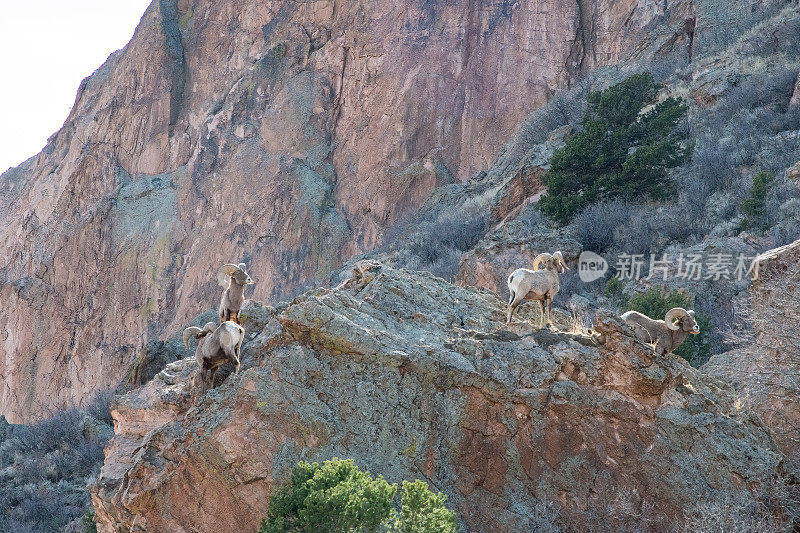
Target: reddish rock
{"points": [[489, 417], [488, 265], [765, 371], [288, 135], [794, 173]]}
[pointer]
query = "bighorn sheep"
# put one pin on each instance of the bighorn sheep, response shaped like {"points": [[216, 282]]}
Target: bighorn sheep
{"points": [[539, 285], [216, 345], [666, 334], [233, 295]]}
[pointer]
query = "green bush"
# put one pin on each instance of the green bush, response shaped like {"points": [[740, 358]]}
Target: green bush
{"points": [[619, 151], [337, 496], [655, 303], [89, 525], [614, 291], [753, 205], [422, 511]]}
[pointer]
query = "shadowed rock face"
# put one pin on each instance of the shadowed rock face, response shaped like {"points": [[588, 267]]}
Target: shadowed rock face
{"points": [[289, 135], [414, 378], [766, 372]]}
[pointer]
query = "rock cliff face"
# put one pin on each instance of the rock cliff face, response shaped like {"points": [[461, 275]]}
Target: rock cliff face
{"points": [[766, 372], [288, 135], [416, 378]]}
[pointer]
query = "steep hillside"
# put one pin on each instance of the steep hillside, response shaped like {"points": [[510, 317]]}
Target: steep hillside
{"points": [[289, 135], [415, 377]]}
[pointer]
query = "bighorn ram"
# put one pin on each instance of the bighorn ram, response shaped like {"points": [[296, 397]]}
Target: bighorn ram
{"points": [[216, 345], [233, 295], [666, 334], [539, 285]]}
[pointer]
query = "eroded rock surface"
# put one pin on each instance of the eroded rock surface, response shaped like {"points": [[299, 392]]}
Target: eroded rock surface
{"points": [[288, 135], [417, 378], [766, 371]]}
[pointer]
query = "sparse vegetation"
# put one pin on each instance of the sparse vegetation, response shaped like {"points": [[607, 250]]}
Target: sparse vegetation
{"points": [[751, 127], [45, 467], [622, 149], [435, 241], [624, 512], [613, 290], [89, 525], [596, 224], [774, 506], [336, 497]]}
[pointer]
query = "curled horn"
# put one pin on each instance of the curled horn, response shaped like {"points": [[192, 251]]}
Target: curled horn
{"points": [[226, 270], [674, 314], [541, 258], [188, 333]]}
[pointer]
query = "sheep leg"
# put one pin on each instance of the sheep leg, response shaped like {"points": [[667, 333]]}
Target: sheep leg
{"points": [[230, 353], [511, 309], [212, 377], [512, 306], [238, 352], [203, 380], [542, 308], [549, 302]]}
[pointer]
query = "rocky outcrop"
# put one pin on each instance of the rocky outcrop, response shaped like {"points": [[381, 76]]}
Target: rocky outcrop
{"points": [[766, 371], [288, 135], [794, 173], [416, 378], [491, 261], [519, 233]]}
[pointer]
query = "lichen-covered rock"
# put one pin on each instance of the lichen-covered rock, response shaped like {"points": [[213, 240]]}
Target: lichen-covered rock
{"points": [[416, 378], [291, 135]]}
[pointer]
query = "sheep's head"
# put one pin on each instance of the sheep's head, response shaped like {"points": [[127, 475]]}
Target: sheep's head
{"points": [[237, 273], [558, 262], [679, 319], [553, 262]]}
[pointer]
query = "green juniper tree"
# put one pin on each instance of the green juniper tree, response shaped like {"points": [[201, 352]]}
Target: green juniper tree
{"points": [[620, 150], [338, 497], [753, 206]]}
